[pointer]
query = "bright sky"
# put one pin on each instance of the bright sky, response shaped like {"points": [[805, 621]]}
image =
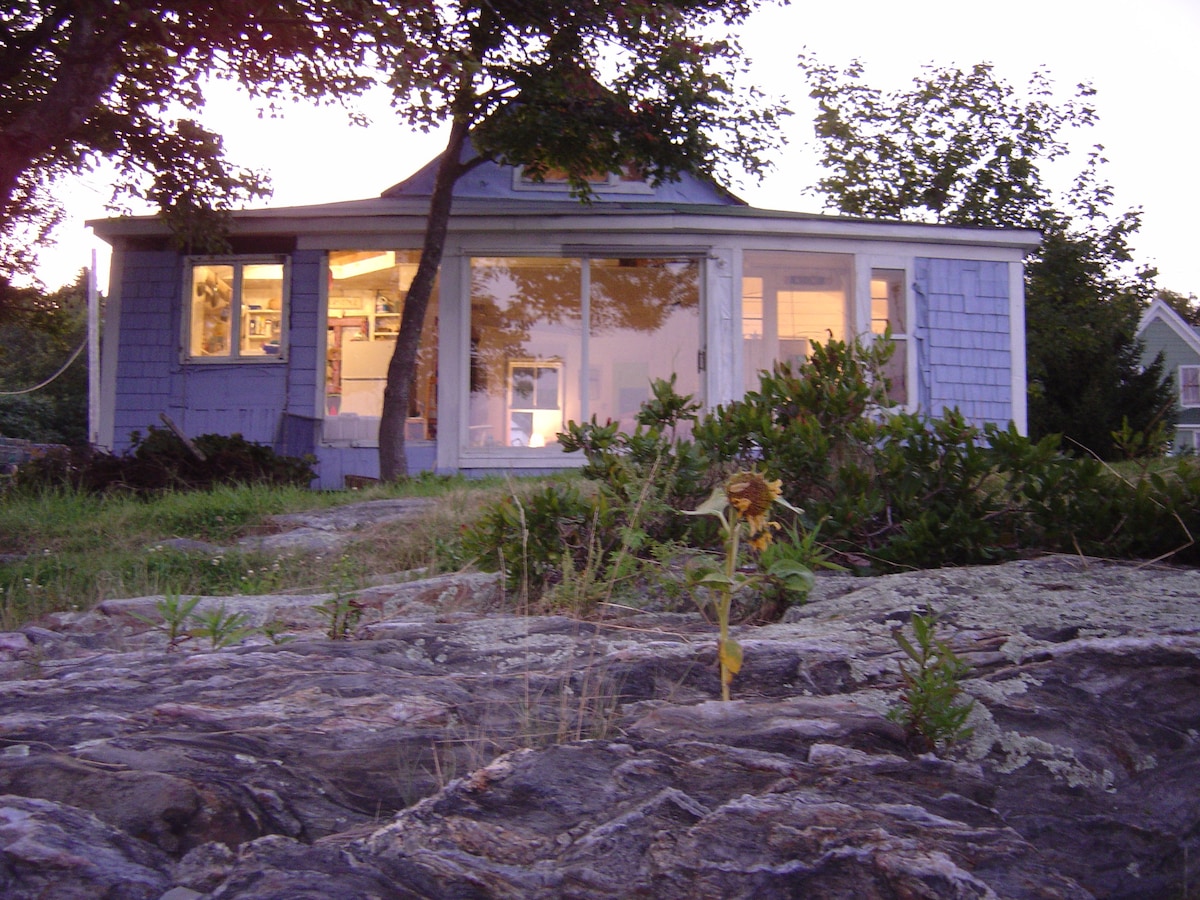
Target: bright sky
{"points": [[1143, 59]]}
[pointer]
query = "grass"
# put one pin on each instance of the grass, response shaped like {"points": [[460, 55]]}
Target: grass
{"points": [[63, 550]]}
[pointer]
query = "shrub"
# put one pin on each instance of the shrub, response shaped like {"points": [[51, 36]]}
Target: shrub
{"points": [[887, 490], [526, 538], [161, 461]]}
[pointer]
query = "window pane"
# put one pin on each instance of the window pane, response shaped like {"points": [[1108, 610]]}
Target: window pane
{"points": [[261, 310], [896, 371], [212, 311], [887, 301], [367, 289], [644, 325], [888, 312], [1189, 385], [799, 298], [526, 348]]}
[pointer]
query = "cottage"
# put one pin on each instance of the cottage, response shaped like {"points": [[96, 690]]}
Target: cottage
{"points": [[547, 310], [1163, 330]]}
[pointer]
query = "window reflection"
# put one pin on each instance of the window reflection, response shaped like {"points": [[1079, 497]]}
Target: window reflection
{"points": [[559, 339]]}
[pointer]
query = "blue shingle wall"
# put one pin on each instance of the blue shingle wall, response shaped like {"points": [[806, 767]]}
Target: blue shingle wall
{"points": [[148, 347], [202, 398], [963, 328]]}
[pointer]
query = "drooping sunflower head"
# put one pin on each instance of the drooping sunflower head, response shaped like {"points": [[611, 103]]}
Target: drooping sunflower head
{"points": [[751, 494]]}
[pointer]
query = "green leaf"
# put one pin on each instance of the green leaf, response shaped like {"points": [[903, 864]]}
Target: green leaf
{"points": [[795, 576], [715, 505]]}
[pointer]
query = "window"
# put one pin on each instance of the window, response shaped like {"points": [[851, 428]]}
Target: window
{"points": [[789, 301], [629, 181], [560, 339], [888, 312], [236, 309], [1189, 385], [535, 401], [367, 289]]}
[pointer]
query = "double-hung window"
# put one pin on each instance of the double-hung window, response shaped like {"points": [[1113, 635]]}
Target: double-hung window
{"points": [[1189, 386], [235, 309], [888, 316]]}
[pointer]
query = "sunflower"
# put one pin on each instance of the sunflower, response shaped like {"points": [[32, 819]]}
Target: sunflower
{"points": [[751, 495]]}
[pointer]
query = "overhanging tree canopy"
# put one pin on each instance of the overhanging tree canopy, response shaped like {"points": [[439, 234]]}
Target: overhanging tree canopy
{"points": [[582, 88], [118, 80]]}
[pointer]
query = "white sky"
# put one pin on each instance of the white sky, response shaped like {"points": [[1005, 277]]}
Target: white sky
{"points": [[1143, 59]]}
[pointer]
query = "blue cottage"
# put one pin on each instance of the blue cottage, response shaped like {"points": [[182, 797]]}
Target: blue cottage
{"points": [[546, 310]]}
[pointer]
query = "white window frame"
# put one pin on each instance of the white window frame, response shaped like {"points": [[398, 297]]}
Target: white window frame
{"points": [[239, 263]]}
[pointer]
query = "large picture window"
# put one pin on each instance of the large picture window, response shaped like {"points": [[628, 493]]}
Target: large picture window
{"points": [[367, 290], [236, 309], [560, 339], [789, 301]]}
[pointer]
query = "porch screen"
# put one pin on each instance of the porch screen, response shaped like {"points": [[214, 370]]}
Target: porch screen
{"points": [[556, 339], [789, 301]]}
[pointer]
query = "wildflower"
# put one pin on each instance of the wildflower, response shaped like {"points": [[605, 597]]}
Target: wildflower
{"points": [[751, 495], [745, 497]]}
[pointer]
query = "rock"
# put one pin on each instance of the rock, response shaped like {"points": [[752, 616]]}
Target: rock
{"points": [[450, 750], [326, 529], [58, 852]]}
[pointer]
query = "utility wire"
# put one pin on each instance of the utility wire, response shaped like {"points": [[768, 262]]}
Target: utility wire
{"points": [[38, 387]]}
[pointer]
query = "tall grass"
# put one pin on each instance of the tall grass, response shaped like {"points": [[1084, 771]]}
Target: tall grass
{"points": [[62, 550]]}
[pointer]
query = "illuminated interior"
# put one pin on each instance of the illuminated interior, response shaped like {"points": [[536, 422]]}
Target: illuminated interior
{"points": [[789, 301], [561, 339], [237, 311], [888, 315], [366, 298]]}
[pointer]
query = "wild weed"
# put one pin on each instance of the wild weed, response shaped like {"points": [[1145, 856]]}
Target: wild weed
{"points": [[174, 614], [930, 710], [742, 505], [342, 614], [221, 627]]}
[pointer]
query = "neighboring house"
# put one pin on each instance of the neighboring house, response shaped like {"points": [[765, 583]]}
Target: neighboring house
{"points": [[1162, 330], [548, 310]]}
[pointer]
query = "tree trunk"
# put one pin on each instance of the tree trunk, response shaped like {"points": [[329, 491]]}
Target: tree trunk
{"points": [[393, 463]]}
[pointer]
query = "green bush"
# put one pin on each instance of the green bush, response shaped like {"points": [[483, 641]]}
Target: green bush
{"points": [[161, 461], [886, 490], [527, 538]]}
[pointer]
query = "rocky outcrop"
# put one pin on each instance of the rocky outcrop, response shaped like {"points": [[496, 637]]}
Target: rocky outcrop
{"points": [[449, 750]]}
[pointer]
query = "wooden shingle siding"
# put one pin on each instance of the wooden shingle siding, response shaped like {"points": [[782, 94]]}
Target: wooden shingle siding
{"points": [[148, 349], [963, 337]]}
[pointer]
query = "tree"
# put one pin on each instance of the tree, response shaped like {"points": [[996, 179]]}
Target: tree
{"points": [[119, 80], [43, 373], [582, 88], [1187, 305], [966, 148]]}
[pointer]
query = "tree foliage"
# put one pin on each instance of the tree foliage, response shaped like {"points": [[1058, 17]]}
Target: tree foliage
{"points": [[598, 86], [967, 148], [123, 81], [38, 335]]}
